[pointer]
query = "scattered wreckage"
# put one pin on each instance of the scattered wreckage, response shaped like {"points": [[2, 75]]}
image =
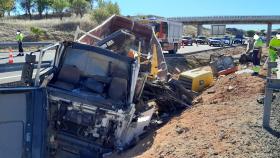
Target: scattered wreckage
{"points": [[99, 95]]}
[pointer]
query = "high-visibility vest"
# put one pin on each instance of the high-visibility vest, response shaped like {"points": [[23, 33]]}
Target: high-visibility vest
{"points": [[19, 37], [274, 42], [258, 43]]}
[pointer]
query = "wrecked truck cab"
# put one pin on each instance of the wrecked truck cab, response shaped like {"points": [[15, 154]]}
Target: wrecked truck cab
{"points": [[91, 100], [83, 106]]}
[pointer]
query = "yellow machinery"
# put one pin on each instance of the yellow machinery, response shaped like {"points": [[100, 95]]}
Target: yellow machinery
{"points": [[154, 63], [196, 80]]}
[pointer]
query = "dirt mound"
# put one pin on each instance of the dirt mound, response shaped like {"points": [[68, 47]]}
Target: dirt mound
{"points": [[233, 87], [229, 128]]}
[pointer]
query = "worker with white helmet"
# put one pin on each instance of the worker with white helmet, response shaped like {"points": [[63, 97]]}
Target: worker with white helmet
{"points": [[19, 38]]}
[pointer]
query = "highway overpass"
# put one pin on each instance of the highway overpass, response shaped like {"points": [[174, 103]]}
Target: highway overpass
{"points": [[199, 21]]}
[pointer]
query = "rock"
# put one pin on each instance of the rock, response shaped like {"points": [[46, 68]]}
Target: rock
{"points": [[214, 102], [248, 143], [198, 100], [211, 91], [232, 142], [260, 99], [180, 130], [230, 88], [222, 135]]}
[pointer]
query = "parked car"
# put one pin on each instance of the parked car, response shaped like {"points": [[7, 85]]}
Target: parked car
{"points": [[186, 40], [216, 42], [239, 39], [227, 40], [201, 40]]}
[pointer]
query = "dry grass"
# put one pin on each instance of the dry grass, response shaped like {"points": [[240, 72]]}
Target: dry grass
{"points": [[56, 30], [191, 30]]}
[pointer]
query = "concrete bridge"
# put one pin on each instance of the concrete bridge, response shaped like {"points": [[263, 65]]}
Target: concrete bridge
{"points": [[199, 21]]}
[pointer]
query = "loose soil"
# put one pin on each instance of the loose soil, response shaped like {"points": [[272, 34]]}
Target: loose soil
{"points": [[226, 121]]}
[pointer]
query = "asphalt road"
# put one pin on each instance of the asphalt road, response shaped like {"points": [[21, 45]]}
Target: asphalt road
{"points": [[16, 75], [10, 76], [195, 48]]}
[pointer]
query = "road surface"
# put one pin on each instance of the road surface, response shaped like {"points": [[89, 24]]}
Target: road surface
{"points": [[16, 75], [10, 77], [195, 48]]}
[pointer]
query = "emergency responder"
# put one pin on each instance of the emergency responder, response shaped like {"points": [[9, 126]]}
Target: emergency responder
{"points": [[272, 52], [257, 51], [273, 45], [19, 38]]}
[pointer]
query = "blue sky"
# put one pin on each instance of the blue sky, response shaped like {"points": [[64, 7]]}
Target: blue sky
{"points": [[176, 8]]}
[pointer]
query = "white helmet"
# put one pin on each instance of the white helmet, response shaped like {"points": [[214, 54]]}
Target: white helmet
{"points": [[256, 37], [278, 35]]}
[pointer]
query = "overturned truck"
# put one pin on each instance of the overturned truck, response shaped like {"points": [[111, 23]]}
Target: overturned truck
{"points": [[92, 99]]}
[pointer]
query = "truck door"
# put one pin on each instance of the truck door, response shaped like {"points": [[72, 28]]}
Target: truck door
{"points": [[22, 122]]}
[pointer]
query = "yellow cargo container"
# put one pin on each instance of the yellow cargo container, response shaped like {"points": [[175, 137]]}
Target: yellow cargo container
{"points": [[197, 79]]}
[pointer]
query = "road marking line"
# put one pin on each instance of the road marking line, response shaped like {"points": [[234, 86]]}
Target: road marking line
{"points": [[3, 78]]}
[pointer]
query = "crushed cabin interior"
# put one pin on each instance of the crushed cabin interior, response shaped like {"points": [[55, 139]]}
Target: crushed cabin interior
{"points": [[89, 100]]}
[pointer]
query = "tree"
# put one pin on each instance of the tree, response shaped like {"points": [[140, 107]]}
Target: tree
{"points": [[6, 6], [105, 10], [27, 5], [251, 33], [59, 6], [79, 7], [42, 5]]}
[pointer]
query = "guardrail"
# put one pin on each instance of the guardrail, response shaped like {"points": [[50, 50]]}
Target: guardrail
{"points": [[198, 52], [24, 44], [18, 66], [275, 19]]}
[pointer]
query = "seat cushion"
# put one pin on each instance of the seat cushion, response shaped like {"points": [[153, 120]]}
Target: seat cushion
{"points": [[118, 89], [70, 74]]}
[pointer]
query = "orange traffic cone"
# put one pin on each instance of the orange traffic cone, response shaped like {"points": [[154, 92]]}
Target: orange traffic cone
{"points": [[11, 57]]}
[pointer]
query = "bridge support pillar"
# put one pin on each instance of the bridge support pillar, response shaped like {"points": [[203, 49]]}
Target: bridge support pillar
{"points": [[268, 34], [199, 29]]}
